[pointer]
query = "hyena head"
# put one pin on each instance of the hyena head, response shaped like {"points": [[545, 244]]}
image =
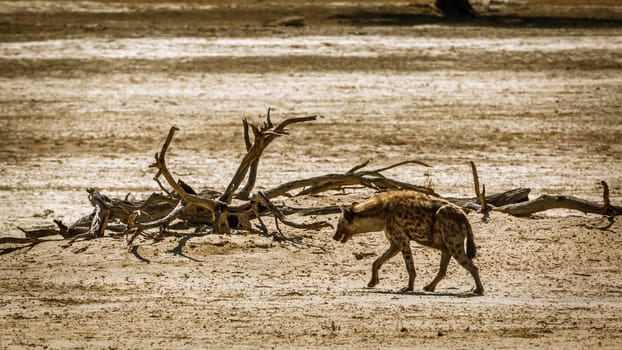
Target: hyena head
{"points": [[359, 218], [347, 226]]}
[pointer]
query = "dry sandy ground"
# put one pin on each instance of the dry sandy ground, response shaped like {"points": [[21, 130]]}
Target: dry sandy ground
{"points": [[88, 91]]}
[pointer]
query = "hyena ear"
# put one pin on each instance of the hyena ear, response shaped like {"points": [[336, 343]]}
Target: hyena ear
{"points": [[348, 214]]}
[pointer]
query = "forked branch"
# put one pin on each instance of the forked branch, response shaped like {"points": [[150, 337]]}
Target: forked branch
{"points": [[187, 198], [263, 137]]}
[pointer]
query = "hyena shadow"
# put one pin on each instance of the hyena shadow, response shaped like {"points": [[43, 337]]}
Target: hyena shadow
{"points": [[424, 293]]}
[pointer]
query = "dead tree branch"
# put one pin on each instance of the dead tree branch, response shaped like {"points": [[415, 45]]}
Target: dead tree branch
{"points": [[353, 177], [547, 202], [263, 137]]}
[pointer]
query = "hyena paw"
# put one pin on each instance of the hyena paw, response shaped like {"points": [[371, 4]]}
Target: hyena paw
{"points": [[373, 282], [406, 289], [429, 288]]}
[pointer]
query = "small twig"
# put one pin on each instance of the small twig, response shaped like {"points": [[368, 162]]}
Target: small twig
{"points": [[278, 215], [262, 226], [611, 221], [357, 167], [607, 209], [172, 215], [247, 139], [268, 123], [475, 180], [378, 171], [485, 210], [169, 138], [132, 229], [281, 127], [216, 217], [606, 196], [157, 180], [245, 192]]}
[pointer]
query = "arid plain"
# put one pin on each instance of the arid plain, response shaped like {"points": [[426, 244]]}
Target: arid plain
{"points": [[88, 91]]}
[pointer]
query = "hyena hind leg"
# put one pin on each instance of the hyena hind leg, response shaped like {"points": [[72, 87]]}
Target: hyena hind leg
{"points": [[442, 271], [455, 228], [467, 263]]}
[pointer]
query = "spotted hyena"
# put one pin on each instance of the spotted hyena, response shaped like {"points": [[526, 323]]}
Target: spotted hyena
{"points": [[406, 216]]}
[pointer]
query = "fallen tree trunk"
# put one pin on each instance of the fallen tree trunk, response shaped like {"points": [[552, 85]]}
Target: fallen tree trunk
{"points": [[547, 202]]}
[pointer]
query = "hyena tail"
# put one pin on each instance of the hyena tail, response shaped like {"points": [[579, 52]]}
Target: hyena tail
{"points": [[471, 250]]}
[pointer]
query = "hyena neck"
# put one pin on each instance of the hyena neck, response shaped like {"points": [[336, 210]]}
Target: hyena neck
{"points": [[369, 216]]}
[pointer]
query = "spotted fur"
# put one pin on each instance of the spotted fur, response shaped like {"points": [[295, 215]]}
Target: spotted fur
{"points": [[405, 216]]}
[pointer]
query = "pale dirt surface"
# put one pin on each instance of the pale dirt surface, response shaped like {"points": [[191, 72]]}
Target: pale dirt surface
{"points": [[88, 91]]}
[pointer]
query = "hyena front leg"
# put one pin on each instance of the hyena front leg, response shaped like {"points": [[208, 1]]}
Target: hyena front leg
{"points": [[391, 252], [410, 266]]}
